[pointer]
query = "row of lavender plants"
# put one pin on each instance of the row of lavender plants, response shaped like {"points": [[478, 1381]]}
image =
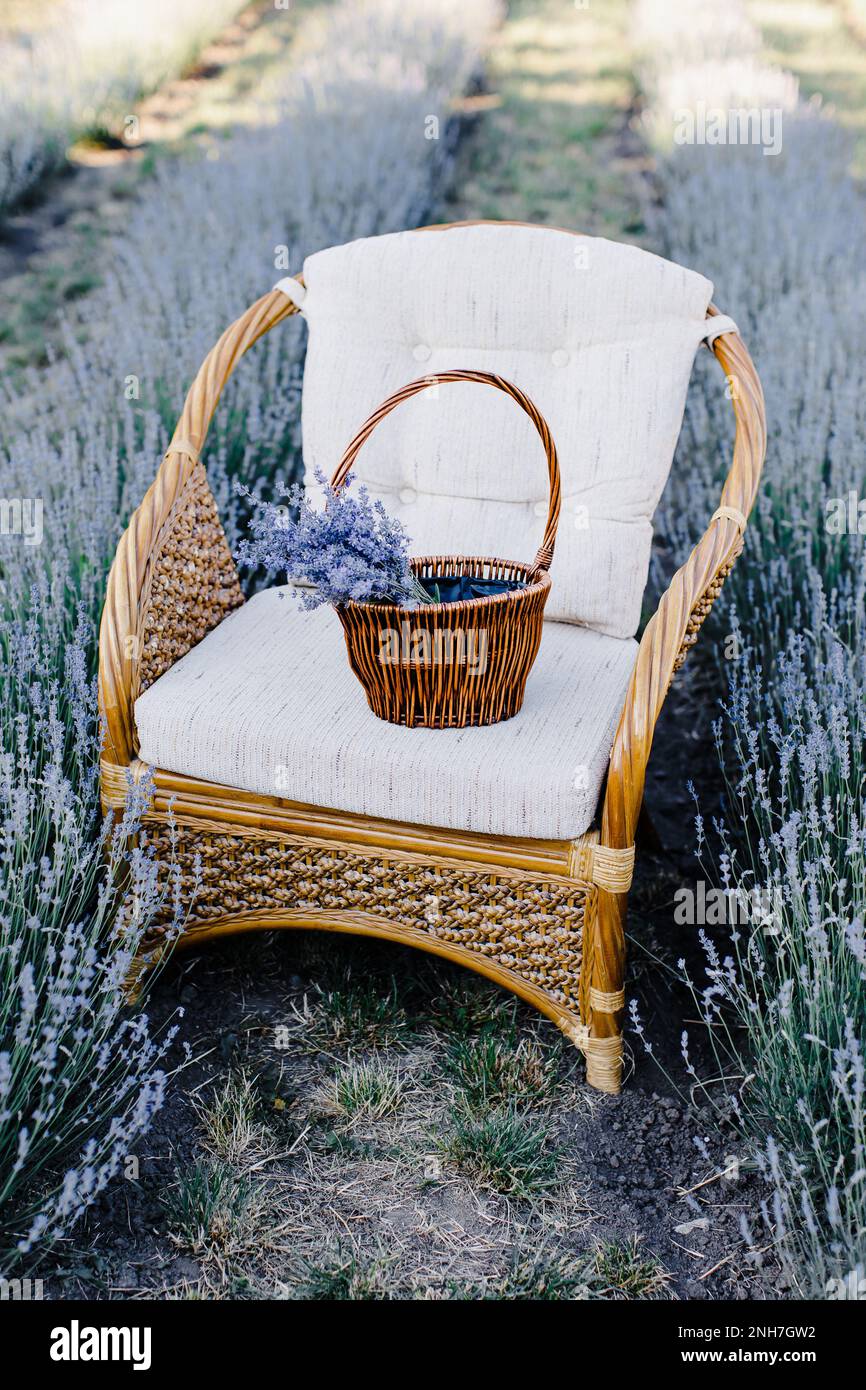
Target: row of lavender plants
{"points": [[345, 150], [82, 68], [779, 227]]}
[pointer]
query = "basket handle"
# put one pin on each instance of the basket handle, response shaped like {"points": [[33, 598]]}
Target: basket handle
{"points": [[545, 551]]}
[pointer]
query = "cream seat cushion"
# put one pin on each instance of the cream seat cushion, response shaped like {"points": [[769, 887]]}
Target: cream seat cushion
{"points": [[267, 703], [601, 336]]}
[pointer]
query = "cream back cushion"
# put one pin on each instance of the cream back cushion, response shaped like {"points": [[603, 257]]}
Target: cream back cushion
{"points": [[600, 335]]}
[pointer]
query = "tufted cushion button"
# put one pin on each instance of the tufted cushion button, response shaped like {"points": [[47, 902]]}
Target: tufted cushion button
{"points": [[540, 509], [559, 358], [421, 352], [408, 494]]}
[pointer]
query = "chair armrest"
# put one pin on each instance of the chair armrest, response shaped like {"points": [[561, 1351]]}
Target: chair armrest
{"points": [[669, 634], [673, 628], [173, 578]]}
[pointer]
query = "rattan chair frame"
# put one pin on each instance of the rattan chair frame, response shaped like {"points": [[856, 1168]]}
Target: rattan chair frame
{"points": [[545, 919]]}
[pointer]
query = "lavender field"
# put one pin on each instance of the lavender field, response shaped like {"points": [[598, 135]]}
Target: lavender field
{"points": [[297, 1116]]}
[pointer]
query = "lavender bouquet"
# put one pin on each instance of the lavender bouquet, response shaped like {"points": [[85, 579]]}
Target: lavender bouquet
{"points": [[351, 550]]}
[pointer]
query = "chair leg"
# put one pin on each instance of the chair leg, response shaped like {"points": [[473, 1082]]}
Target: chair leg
{"points": [[606, 998], [604, 1064]]}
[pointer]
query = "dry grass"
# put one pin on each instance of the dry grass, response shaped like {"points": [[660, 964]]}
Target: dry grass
{"points": [[233, 1129]]}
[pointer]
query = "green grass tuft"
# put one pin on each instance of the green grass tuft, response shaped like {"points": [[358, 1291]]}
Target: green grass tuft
{"points": [[625, 1271], [365, 1090], [465, 1005], [491, 1071], [341, 1277], [232, 1120], [359, 1014], [211, 1210], [503, 1149]]}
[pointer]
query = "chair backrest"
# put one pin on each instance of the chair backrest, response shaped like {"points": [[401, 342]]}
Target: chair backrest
{"points": [[600, 335]]}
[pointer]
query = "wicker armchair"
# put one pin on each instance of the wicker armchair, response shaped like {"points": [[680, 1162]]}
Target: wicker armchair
{"points": [[541, 916]]}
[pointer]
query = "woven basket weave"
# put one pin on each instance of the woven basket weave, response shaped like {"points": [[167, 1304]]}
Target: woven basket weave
{"points": [[449, 665]]}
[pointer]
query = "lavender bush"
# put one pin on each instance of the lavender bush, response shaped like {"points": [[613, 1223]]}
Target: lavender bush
{"points": [[341, 152], [786, 1004], [80, 70], [80, 1077], [347, 550]]}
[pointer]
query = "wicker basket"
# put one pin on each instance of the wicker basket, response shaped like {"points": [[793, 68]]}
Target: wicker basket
{"points": [[448, 665]]}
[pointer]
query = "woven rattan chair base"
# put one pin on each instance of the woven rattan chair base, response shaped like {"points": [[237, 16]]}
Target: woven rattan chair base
{"points": [[532, 927], [523, 913]]}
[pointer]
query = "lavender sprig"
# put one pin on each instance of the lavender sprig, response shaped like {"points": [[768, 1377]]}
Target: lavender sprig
{"points": [[351, 550]]}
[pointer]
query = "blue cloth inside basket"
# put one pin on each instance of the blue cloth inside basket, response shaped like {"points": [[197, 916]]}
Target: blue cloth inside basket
{"points": [[454, 588]]}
